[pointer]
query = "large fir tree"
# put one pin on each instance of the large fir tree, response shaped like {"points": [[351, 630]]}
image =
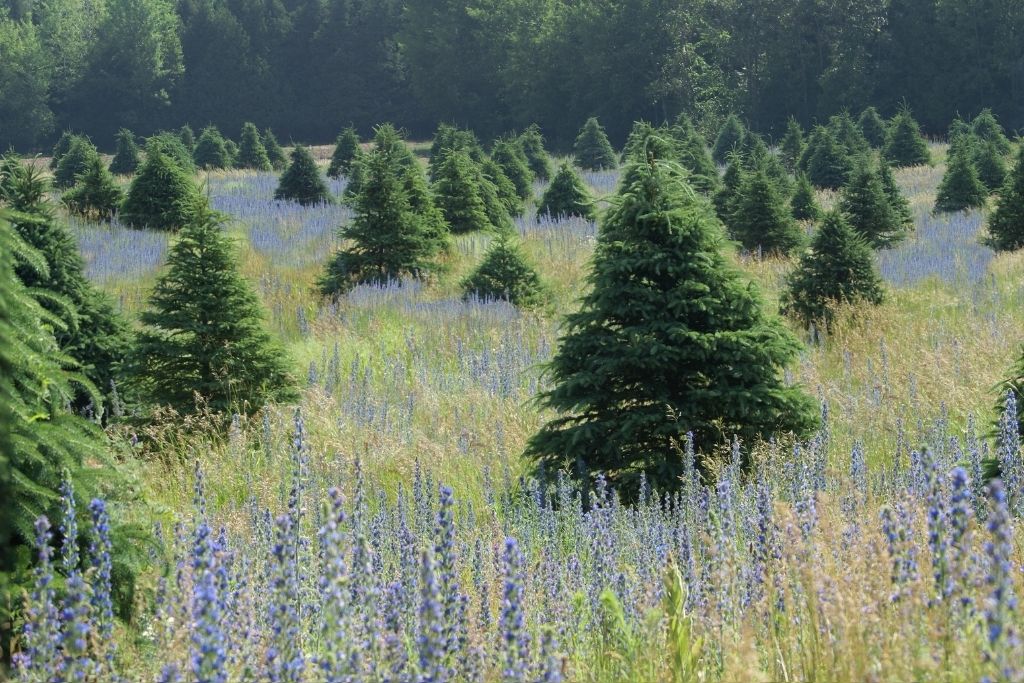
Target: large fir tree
{"points": [[804, 204], [897, 200], [592, 151], [872, 127], [172, 147], [162, 196], [506, 274], [761, 220], [567, 195], [960, 188], [869, 209], [730, 138], [671, 339], [1006, 224], [792, 146], [990, 164], [986, 127], [828, 166], [204, 331], [301, 182], [251, 152], [387, 239], [96, 194], [72, 164], [126, 156], [532, 143], [693, 154], [457, 192], [274, 152], [510, 157], [839, 268], [904, 144], [506, 190], [728, 194], [346, 149], [211, 152]]}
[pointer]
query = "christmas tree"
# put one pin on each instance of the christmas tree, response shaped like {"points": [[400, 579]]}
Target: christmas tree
{"points": [[346, 148], [210, 151], [1006, 224], [78, 158], [960, 188], [510, 157], [792, 146], [868, 208], [96, 194], [505, 274], [457, 192], [162, 196], [274, 152], [592, 150], [828, 165], [760, 220], [126, 157], [532, 143], [904, 145], [301, 181], [872, 127], [567, 196], [251, 152], [804, 204], [730, 137]]}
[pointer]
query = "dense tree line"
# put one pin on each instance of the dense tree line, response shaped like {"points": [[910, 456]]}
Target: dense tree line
{"points": [[306, 67]]}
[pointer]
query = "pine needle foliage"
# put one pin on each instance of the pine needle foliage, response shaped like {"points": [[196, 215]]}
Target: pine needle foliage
{"points": [[670, 339], [346, 149], [162, 196], [532, 143], [72, 164], [567, 195], [96, 194], [506, 274], [274, 152], [804, 204], [251, 152], [868, 208], [592, 150], [729, 139], [210, 151], [126, 156], [872, 127], [960, 188], [1006, 224], [458, 194], [510, 157], [301, 181], [904, 144], [761, 220]]}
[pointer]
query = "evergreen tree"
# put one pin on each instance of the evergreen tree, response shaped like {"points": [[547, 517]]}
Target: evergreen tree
{"points": [[960, 188], [10, 168], [671, 339], [89, 330], [510, 157], [78, 158], [804, 204], [990, 164], [354, 182], [730, 137], [505, 274], [210, 151], [457, 193], [900, 204], [693, 154], [498, 215], [162, 196], [792, 146], [986, 128], [904, 145], [174, 149], [839, 268], [61, 148], [592, 151], [274, 152], [760, 158], [346, 148], [232, 151], [868, 209], [848, 134], [96, 194], [829, 165], [204, 331], [251, 152], [187, 138], [872, 127], [567, 196], [301, 181], [126, 156], [388, 239], [727, 196], [450, 138], [761, 220], [504, 188], [423, 204], [532, 143], [1006, 224]]}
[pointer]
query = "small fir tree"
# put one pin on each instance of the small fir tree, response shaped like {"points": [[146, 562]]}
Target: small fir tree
{"points": [[61, 148], [804, 204], [985, 127], [78, 158], [457, 193], [126, 156], [346, 148], [792, 146], [506, 274], [498, 215], [387, 239], [510, 157], [450, 138], [187, 138], [567, 195], [728, 194], [872, 127], [171, 147], [839, 268], [1006, 224], [897, 201], [204, 331], [504, 188], [761, 220], [828, 166], [301, 182], [960, 188], [904, 144], [760, 158], [424, 205], [693, 154], [990, 164], [848, 134], [868, 209], [96, 194], [532, 143], [274, 152], [251, 152], [210, 151], [233, 152], [730, 138], [592, 151], [162, 196], [670, 339]]}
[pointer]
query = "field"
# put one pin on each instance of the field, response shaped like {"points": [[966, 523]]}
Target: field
{"points": [[789, 574]]}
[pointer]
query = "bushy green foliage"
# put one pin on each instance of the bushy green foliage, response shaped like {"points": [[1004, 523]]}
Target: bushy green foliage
{"points": [[990, 164], [872, 127], [78, 157], [868, 208], [804, 204], [204, 331], [730, 138], [960, 188], [232, 151], [510, 157], [567, 195], [727, 196], [449, 138], [389, 238], [986, 127], [187, 138], [96, 194], [829, 164], [301, 181], [904, 144], [162, 196], [171, 146], [532, 143], [1006, 224], [848, 134], [251, 152], [210, 151], [670, 339], [274, 152], [61, 148], [760, 158], [839, 268], [792, 146], [504, 188], [760, 219], [457, 192], [126, 156], [897, 201], [346, 148], [505, 274], [592, 151], [498, 213], [692, 153]]}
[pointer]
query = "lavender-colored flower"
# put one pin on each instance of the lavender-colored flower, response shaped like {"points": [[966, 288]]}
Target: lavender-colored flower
{"points": [[431, 642], [1001, 602], [39, 660], [208, 647], [102, 604], [515, 641]]}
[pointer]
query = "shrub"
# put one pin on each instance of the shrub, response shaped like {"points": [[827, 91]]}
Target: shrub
{"points": [[505, 274], [567, 196], [95, 194], [162, 196], [346, 149], [301, 182], [592, 150], [251, 152], [126, 156]]}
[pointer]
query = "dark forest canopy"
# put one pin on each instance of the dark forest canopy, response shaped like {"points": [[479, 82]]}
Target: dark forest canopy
{"points": [[306, 68]]}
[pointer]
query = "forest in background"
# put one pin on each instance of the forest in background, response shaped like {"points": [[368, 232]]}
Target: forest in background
{"points": [[308, 67]]}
